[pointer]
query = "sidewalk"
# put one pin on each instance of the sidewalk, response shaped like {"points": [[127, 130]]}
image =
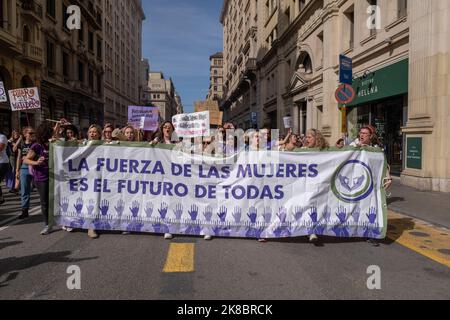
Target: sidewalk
{"points": [[432, 207]]}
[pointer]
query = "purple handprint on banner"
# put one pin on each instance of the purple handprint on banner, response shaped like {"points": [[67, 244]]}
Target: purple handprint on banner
{"points": [[160, 228], [313, 214], [342, 214], [341, 231], [237, 214], [267, 215], [79, 206], [178, 211], [254, 232], [149, 210], [222, 214], [208, 214], [193, 213], [252, 214], [90, 207], [64, 205], [77, 223], [282, 215], [327, 214], [135, 209], [298, 213], [356, 214], [319, 230], [282, 232], [194, 230], [372, 215], [135, 226], [120, 208], [104, 207], [163, 210], [102, 225], [372, 233], [221, 231]]}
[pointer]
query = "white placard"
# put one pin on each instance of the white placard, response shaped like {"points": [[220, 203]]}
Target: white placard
{"points": [[192, 125], [24, 99]]}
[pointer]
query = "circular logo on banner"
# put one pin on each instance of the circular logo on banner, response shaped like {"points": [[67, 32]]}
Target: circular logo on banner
{"points": [[352, 181]]}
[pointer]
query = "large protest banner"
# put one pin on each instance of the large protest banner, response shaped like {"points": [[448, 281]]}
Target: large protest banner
{"points": [[3, 97], [259, 195], [145, 118], [24, 99], [192, 125]]}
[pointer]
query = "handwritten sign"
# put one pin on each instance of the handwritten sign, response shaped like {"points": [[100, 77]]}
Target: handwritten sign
{"points": [[24, 99], [3, 97], [145, 118], [192, 125]]}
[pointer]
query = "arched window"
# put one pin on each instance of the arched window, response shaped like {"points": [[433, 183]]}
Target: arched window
{"points": [[26, 34], [304, 64]]}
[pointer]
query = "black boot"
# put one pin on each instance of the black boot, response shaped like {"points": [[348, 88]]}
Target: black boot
{"points": [[24, 214]]}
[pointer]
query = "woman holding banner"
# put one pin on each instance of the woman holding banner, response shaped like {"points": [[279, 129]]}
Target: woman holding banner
{"points": [[38, 157], [23, 173], [315, 140], [164, 136]]}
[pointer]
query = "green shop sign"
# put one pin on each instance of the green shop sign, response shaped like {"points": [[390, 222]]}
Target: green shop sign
{"points": [[414, 153], [387, 82]]}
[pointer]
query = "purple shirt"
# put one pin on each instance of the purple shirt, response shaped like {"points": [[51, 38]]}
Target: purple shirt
{"points": [[41, 173]]}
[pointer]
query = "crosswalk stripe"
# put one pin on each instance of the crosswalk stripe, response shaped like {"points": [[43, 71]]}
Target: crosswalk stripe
{"points": [[180, 258], [423, 238]]}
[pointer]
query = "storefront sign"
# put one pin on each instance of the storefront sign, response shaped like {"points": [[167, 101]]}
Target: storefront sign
{"points": [[414, 153], [387, 82]]}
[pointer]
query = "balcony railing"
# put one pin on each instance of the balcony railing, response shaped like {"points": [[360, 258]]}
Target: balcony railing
{"points": [[32, 8], [32, 52]]}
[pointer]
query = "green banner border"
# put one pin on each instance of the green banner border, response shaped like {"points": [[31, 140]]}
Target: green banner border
{"points": [[170, 147]]}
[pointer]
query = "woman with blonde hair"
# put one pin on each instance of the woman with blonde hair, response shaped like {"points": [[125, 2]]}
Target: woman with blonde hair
{"points": [[315, 140]]}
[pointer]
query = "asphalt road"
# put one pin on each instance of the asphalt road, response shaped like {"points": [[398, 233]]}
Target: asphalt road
{"points": [[117, 266]]}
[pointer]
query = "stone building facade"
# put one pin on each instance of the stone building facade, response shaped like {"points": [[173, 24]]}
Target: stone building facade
{"points": [[400, 51], [215, 91]]}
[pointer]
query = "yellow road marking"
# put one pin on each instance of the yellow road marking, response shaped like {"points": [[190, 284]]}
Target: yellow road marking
{"points": [[180, 258], [430, 241]]}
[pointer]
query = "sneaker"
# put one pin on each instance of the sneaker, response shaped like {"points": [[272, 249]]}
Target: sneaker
{"points": [[262, 240], [92, 234], [24, 214], [69, 229], [208, 238], [168, 236], [313, 238], [46, 231], [126, 233]]}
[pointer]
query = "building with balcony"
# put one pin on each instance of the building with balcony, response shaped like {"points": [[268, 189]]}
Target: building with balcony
{"points": [[215, 91], [240, 44], [21, 56], [160, 92], [123, 63], [400, 51], [72, 74]]}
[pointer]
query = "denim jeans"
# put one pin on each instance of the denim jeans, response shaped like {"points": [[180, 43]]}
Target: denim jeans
{"points": [[25, 187]]}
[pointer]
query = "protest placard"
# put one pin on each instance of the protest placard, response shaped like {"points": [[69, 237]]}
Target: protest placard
{"points": [[3, 97], [192, 125], [24, 99], [145, 118]]}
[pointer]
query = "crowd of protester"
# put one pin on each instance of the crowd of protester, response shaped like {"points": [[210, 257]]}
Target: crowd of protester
{"points": [[24, 158]]}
